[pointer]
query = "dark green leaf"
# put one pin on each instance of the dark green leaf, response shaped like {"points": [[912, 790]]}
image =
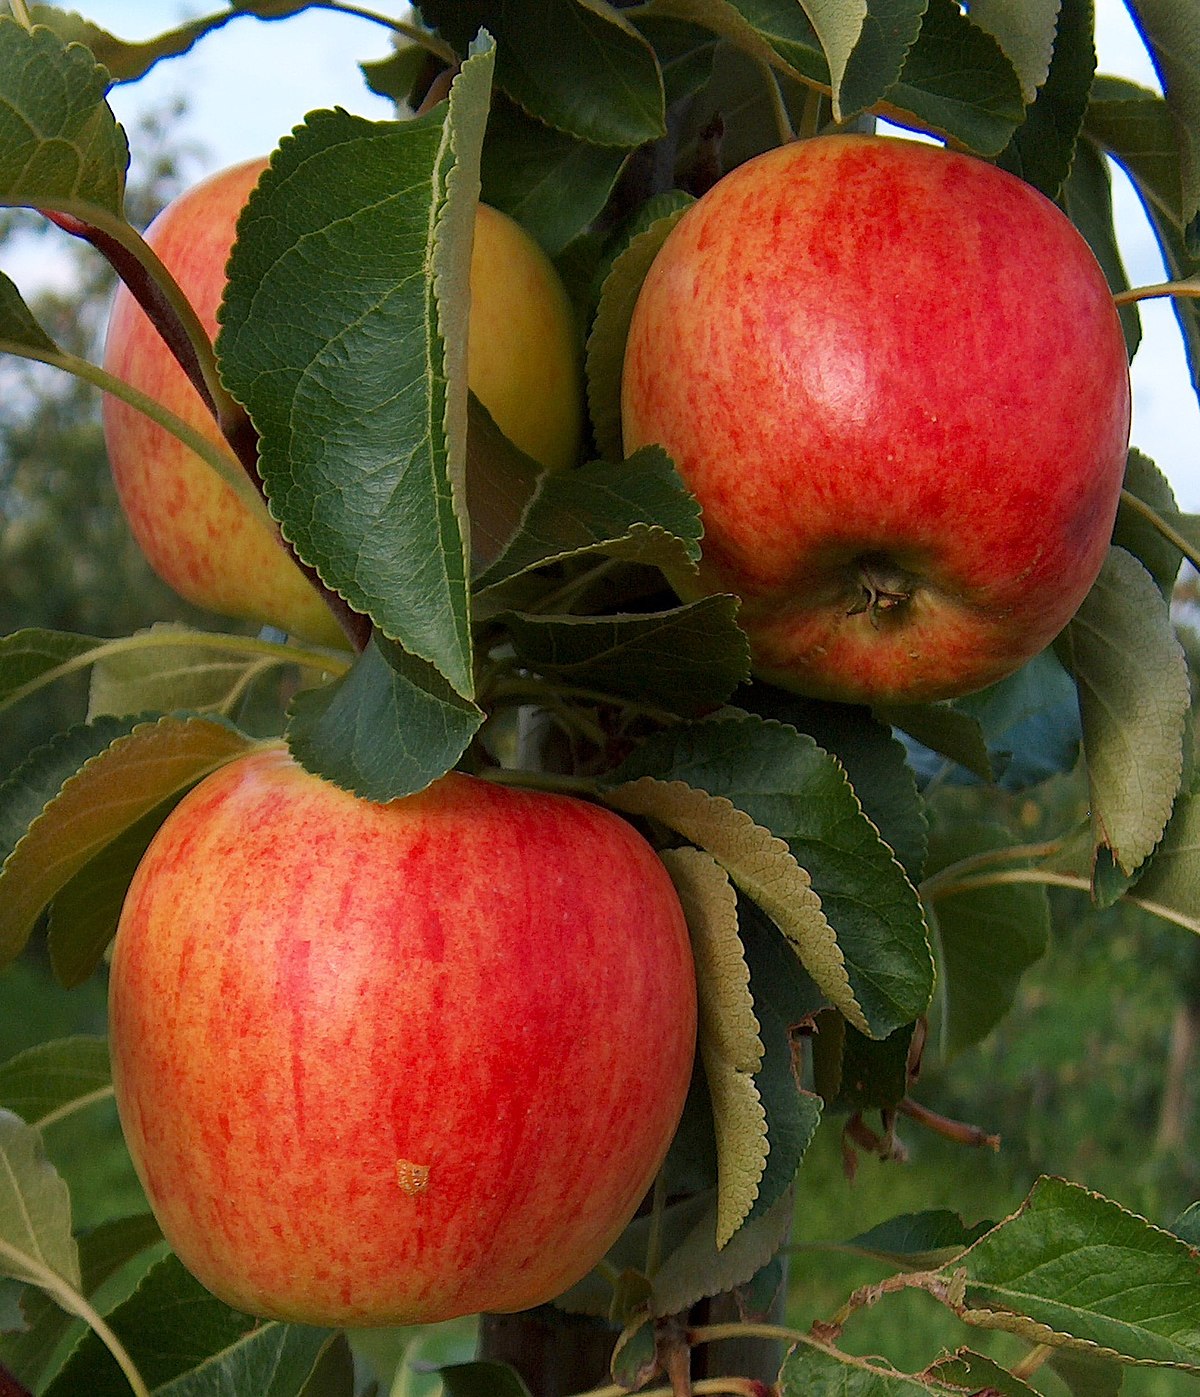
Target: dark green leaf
{"points": [[31, 658], [1086, 1376], [637, 510], [945, 730], [346, 310], [1043, 147], [1087, 197], [855, 1073], [178, 1334], [918, 1241], [53, 1077], [551, 182], [973, 1373], [788, 785], [1072, 1267], [501, 480], [793, 1113], [874, 758], [813, 1371], [957, 80], [1187, 1225], [988, 934], [865, 47], [687, 660], [1171, 34], [577, 67], [482, 1380], [610, 328], [1135, 127], [102, 1252], [635, 1355], [388, 728]]}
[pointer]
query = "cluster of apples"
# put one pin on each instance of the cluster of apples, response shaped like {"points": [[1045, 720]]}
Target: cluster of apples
{"points": [[384, 1064]]}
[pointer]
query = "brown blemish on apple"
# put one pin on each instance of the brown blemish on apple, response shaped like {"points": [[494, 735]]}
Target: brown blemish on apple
{"points": [[412, 1178]]}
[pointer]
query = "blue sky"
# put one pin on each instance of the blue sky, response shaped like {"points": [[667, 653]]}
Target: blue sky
{"points": [[251, 82]]}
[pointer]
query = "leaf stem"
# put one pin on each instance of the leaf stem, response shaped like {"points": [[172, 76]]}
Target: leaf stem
{"points": [[69, 1108], [535, 690], [1172, 535], [703, 1387], [1067, 880], [543, 781], [69, 1299], [430, 42], [988, 858], [1032, 1361], [1188, 288], [743, 1329]]}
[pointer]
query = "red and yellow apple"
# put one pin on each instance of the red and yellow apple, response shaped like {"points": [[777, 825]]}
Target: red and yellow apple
{"points": [[894, 379], [523, 364], [383, 1064]]}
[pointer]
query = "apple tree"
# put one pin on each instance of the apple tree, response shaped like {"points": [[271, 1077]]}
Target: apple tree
{"points": [[540, 626]]}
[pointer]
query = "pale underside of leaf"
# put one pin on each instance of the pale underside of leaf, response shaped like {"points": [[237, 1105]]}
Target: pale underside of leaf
{"points": [[730, 1046], [1025, 30], [839, 25], [35, 1210], [760, 864]]}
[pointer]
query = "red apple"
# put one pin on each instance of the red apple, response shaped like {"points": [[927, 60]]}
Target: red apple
{"points": [[895, 380], [523, 363], [388, 1064]]}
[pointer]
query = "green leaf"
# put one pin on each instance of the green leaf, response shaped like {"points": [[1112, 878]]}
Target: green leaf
{"points": [[759, 863], [372, 359], [988, 934], [875, 760], [34, 1355], [866, 43], [1172, 36], [577, 65], [610, 329], [1043, 147], [956, 80], [19, 330], [171, 667], [60, 147], [1133, 700], [552, 183], [637, 510], [943, 729], [1137, 535], [788, 785], [918, 1241], [1134, 126], [1187, 1225], [688, 660], [811, 1370], [83, 791], [186, 1343], [30, 659], [387, 729], [1172, 877], [87, 908], [501, 480], [1073, 1268], [482, 1380], [126, 61], [36, 1245], [855, 1073], [51, 1079], [730, 1047], [1086, 1376], [1086, 195], [973, 1373], [696, 1267]]}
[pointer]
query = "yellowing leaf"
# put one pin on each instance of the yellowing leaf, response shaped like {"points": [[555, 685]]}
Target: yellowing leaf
{"points": [[730, 1046], [760, 864]]}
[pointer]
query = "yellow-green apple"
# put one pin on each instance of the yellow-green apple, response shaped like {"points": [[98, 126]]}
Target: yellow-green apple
{"points": [[895, 380], [523, 363], [383, 1064]]}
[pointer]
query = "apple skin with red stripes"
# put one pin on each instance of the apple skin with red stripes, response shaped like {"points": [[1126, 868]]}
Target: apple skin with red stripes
{"points": [[895, 380], [390, 1064]]}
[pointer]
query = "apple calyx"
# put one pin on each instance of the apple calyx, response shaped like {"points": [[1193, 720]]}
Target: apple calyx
{"points": [[882, 587]]}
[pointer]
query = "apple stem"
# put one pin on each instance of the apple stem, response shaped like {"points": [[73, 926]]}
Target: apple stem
{"points": [[1188, 288], [884, 587]]}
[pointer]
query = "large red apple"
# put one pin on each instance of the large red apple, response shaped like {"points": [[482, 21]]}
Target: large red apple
{"points": [[383, 1064], [894, 378], [522, 362]]}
